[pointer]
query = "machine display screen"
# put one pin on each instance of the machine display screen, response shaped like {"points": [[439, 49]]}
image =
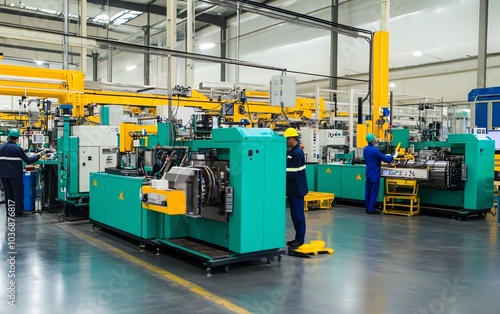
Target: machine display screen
{"points": [[37, 138], [228, 109], [495, 135]]}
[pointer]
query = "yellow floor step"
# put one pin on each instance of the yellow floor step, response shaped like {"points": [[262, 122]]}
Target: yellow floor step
{"points": [[314, 247]]}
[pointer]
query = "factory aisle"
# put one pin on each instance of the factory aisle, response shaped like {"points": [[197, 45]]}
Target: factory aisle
{"points": [[381, 264]]}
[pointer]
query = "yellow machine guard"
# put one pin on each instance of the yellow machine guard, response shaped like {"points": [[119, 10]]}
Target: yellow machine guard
{"points": [[176, 201]]}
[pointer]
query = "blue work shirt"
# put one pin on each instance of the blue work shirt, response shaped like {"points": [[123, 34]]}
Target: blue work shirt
{"points": [[296, 182], [11, 160], [374, 157]]}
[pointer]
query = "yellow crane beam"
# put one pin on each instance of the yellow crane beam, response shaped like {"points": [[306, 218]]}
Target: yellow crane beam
{"points": [[68, 86]]}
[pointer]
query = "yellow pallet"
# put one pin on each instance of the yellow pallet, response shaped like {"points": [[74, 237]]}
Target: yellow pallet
{"points": [[497, 162], [318, 200]]}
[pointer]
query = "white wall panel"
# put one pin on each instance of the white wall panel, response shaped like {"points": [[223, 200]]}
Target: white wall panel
{"points": [[494, 26], [441, 30]]}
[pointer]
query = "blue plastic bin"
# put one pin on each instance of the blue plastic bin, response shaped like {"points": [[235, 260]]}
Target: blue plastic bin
{"points": [[29, 191]]}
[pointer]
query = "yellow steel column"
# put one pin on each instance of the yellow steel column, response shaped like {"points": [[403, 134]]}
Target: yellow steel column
{"points": [[380, 81]]}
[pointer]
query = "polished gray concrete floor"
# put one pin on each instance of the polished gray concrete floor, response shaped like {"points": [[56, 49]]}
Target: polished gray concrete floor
{"points": [[381, 264]]}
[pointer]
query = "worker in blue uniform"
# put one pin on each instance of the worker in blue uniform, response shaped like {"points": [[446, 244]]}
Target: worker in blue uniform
{"points": [[296, 185], [11, 173], [373, 158]]}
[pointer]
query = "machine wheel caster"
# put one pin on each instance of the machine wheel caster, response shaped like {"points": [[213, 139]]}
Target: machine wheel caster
{"points": [[226, 268], [61, 218], [93, 227], [209, 272], [280, 258], [141, 247], [157, 251], [269, 259]]}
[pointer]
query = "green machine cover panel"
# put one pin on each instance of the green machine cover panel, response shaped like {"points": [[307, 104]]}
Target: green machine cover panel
{"points": [[312, 177], [401, 136], [115, 201], [257, 160], [345, 181]]}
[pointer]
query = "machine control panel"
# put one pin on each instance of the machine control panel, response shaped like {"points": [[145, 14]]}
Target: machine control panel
{"points": [[333, 137], [156, 199], [228, 205], [310, 139]]}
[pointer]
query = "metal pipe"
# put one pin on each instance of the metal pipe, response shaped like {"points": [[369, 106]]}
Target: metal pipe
{"points": [[147, 43], [483, 44], [334, 43], [294, 17], [335, 101], [180, 54], [385, 13], [110, 65], [95, 62], [360, 110], [351, 120], [83, 33], [169, 88], [189, 79], [390, 107], [237, 50], [223, 49], [317, 106], [370, 75], [171, 44], [65, 35]]}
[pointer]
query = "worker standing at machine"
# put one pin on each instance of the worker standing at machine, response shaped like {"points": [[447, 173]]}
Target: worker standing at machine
{"points": [[11, 173], [373, 158], [296, 185]]}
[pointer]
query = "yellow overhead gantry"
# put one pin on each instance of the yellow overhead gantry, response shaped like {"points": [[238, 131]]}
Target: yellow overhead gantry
{"points": [[68, 86], [65, 85]]}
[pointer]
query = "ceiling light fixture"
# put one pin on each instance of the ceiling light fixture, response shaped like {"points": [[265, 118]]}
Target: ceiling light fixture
{"points": [[418, 53], [206, 46], [131, 67], [38, 62]]}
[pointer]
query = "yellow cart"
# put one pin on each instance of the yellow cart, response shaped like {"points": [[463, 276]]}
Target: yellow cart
{"points": [[401, 197]]}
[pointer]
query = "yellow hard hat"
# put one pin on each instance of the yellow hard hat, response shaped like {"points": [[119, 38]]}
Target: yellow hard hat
{"points": [[291, 132]]}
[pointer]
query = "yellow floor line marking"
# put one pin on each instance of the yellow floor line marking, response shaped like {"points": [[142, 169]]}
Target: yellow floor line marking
{"points": [[157, 270]]}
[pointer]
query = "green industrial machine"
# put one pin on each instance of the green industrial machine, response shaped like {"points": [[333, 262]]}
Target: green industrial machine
{"points": [[459, 180], [461, 173], [346, 181], [82, 150], [221, 199]]}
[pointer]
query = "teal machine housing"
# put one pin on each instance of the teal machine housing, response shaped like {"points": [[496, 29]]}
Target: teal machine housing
{"points": [[475, 193], [81, 150], [346, 181], [461, 171], [68, 183], [250, 226]]}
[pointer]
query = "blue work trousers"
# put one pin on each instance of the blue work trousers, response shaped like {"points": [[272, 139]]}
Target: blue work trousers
{"points": [[372, 186], [298, 217], [14, 192]]}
